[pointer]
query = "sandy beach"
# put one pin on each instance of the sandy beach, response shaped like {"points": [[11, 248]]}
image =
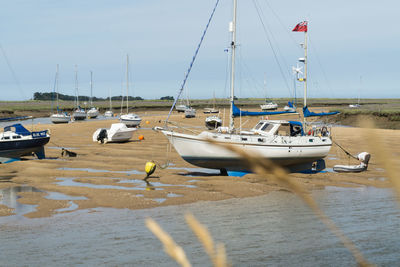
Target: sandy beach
{"points": [[111, 175]]}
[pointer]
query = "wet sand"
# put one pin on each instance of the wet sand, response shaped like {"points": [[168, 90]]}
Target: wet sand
{"points": [[111, 175]]}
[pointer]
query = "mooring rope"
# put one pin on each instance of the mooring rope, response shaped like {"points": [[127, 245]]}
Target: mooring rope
{"points": [[344, 150], [191, 63]]}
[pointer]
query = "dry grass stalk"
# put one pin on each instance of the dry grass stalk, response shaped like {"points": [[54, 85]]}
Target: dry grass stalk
{"points": [[217, 256], [171, 248], [381, 154], [280, 176]]}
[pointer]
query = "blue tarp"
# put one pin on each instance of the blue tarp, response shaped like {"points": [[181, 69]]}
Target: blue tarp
{"points": [[290, 104], [308, 113], [237, 112]]}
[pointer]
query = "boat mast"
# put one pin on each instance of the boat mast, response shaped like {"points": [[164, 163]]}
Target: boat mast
{"points": [[76, 85], [305, 68], [232, 29], [127, 82], [57, 87], [91, 89]]}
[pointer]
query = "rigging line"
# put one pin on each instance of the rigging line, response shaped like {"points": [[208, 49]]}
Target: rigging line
{"points": [[251, 81], [272, 48], [12, 71], [320, 65], [283, 26], [191, 63]]}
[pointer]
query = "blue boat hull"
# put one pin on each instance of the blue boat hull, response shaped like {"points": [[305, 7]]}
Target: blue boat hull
{"points": [[19, 148]]}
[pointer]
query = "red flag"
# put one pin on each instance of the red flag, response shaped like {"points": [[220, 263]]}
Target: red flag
{"points": [[301, 27]]}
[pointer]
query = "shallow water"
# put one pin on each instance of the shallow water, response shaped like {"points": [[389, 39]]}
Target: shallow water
{"points": [[272, 230]]}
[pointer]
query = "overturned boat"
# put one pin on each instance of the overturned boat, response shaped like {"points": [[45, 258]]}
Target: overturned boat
{"points": [[118, 132], [16, 141]]}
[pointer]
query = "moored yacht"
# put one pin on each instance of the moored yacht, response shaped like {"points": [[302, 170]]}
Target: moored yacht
{"points": [[16, 141]]}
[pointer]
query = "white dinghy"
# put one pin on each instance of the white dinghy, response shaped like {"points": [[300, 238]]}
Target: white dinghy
{"points": [[117, 133], [363, 157]]}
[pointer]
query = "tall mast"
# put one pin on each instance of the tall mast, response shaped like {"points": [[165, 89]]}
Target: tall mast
{"points": [[76, 85], [91, 89], [57, 86], [127, 82], [305, 68], [232, 29]]}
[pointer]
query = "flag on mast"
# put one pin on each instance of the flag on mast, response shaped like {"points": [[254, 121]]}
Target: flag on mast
{"points": [[301, 27]]}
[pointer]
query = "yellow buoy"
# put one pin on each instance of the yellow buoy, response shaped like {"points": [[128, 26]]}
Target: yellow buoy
{"points": [[141, 137], [147, 122], [149, 168]]}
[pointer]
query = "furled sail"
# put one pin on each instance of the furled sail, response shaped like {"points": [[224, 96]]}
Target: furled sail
{"points": [[237, 112], [308, 113]]}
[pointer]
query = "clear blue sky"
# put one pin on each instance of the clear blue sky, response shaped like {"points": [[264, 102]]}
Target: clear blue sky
{"points": [[349, 40]]}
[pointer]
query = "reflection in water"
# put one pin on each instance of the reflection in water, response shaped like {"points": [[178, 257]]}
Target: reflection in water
{"points": [[9, 196]]}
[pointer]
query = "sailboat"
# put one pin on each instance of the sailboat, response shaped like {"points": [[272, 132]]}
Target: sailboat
{"points": [[212, 110], [283, 142], [358, 101], [79, 113], [291, 105], [59, 117], [268, 105], [109, 113], [130, 119], [92, 112]]}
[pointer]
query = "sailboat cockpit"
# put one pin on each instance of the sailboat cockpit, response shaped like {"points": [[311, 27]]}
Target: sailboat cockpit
{"points": [[278, 127]]}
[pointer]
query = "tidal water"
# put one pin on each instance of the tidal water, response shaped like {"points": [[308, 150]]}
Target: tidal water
{"points": [[271, 230]]}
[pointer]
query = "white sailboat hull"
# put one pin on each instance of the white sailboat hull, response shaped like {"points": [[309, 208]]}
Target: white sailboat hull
{"points": [[269, 106], [130, 120], [79, 115], [60, 118], [92, 113], [109, 113], [294, 153]]}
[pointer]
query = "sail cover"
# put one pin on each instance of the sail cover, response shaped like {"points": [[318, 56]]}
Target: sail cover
{"points": [[237, 112], [308, 113]]}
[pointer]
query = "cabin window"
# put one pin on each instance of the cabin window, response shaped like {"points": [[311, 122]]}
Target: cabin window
{"points": [[261, 140], [244, 139], [6, 137], [267, 127], [258, 125], [284, 130]]}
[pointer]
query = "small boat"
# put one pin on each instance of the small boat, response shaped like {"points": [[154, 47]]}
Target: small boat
{"points": [[181, 108], [130, 120], [79, 113], [212, 110], [92, 112], [59, 117], [190, 112], [269, 106], [16, 141], [290, 107], [213, 122], [364, 157], [108, 113], [117, 133]]}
